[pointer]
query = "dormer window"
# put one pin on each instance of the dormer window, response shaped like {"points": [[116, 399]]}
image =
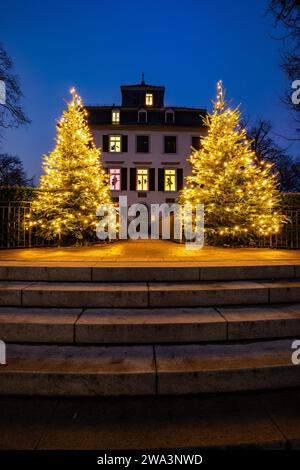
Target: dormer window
{"points": [[149, 99], [115, 116], [142, 116], [169, 116]]}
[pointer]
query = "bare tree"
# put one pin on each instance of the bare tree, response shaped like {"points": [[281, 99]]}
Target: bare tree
{"points": [[267, 149], [12, 172], [11, 112], [287, 14]]}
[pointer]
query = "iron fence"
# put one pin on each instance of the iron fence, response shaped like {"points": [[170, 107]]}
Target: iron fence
{"points": [[289, 237], [13, 232]]}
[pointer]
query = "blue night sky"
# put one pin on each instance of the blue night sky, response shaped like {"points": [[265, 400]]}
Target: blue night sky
{"points": [[97, 45]]}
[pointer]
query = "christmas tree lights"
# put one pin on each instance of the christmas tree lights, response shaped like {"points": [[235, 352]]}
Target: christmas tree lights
{"points": [[73, 183], [240, 194]]}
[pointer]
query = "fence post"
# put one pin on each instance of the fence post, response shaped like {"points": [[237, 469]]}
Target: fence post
{"points": [[29, 227], [8, 224]]}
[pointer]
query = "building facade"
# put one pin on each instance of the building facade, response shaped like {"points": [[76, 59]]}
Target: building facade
{"points": [[145, 144]]}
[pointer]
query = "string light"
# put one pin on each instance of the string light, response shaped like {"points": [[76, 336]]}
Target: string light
{"points": [[73, 183], [240, 194]]}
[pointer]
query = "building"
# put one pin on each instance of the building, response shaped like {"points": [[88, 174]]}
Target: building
{"points": [[145, 144]]}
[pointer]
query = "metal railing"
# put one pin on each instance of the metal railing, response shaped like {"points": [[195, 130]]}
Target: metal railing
{"points": [[14, 214], [289, 237], [13, 233]]}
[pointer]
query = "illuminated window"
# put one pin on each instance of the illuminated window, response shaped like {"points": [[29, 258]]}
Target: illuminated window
{"points": [[149, 99], [170, 180], [115, 117], [115, 143], [115, 179], [142, 179]]}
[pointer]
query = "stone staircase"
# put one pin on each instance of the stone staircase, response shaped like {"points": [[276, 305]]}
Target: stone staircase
{"points": [[81, 330]]}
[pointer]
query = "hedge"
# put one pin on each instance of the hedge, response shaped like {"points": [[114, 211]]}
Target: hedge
{"points": [[16, 193], [291, 201]]}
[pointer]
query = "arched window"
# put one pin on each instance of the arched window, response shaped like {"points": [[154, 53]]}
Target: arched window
{"points": [[169, 116], [142, 116]]}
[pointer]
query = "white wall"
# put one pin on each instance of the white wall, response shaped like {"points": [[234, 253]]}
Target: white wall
{"points": [[156, 158]]}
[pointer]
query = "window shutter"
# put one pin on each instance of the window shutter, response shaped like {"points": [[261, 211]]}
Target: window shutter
{"points": [[179, 179], [124, 143], [132, 179], [152, 179], [105, 143], [196, 143], [123, 179], [161, 178]]}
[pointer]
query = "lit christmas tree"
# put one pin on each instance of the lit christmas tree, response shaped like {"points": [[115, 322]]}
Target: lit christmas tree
{"points": [[240, 194], [74, 182]]}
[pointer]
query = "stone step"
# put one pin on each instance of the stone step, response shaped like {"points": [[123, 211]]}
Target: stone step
{"points": [[223, 293], [73, 294], [187, 325], [142, 295], [148, 326], [38, 325], [165, 272], [190, 369], [52, 370], [260, 322]]}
